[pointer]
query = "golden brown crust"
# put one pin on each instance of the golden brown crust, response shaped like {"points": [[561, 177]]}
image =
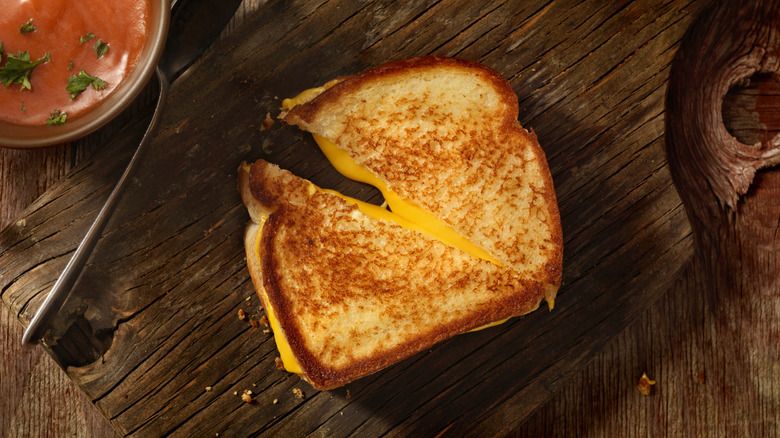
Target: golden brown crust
{"points": [[354, 294], [443, 133]]}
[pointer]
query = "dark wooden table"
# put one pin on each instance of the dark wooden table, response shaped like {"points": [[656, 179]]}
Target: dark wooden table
{"points": [[645, 290]]}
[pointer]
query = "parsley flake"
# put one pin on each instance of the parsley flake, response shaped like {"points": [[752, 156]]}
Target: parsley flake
{"points": [[101, 48], [27, 27], [87, 37], [70, 65], [57, 117], [79, 82], [18, 68]]}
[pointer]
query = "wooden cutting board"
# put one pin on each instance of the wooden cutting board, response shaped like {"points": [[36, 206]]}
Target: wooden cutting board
{"points": [[153, 322]]}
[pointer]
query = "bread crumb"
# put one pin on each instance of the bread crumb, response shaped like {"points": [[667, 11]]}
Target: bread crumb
{"points": [[254, 384], [268, 146], [645, 384], [348, 393], [298, 393], [276, 401], [268, 122], [247, 398], [208, 388], [254, 323], [266, 331], [264, 321], [279, 364], [249, 298], [241, 314], [235, 392]]}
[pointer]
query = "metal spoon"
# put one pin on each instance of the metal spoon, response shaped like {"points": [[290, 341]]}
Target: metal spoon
{"points": [[194, 25]]}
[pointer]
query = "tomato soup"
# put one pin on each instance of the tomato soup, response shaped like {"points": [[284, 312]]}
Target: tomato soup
{"points": [[103, 39]]}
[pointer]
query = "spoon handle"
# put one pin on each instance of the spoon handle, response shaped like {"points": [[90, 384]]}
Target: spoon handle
{"points": [[44, 316]]}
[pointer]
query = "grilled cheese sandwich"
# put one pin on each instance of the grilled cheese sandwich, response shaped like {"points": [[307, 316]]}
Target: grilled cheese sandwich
{"points": [[376, 212], [471, 238]]}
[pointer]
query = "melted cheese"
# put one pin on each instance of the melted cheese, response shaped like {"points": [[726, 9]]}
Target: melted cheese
{"points": [[303, 97], [285, 352]]}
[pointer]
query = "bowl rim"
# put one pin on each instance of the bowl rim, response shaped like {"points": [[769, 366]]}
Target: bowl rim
{"points": [[36, 136]]}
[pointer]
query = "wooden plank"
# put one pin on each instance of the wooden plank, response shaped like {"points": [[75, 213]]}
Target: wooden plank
{"points": [[162, 290], [39, 398], [711, 343]]}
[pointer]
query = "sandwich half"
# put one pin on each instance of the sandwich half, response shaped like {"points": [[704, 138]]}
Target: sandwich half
{"points": [[472, 235], [349, 291]]}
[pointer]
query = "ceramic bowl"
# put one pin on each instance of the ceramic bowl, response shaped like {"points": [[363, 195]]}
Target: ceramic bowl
{"points": [[27, 136]]}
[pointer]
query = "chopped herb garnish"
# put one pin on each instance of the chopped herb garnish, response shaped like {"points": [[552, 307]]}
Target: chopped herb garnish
{"points": [[1, 51], [101, 48], [87, 37], [79, 82], [28, 27], [70, 65], [17, 69], [23, 108], [57, 118]]}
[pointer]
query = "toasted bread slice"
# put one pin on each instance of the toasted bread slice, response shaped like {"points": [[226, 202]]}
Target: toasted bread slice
{"points": [[442, 133], [353, 294]]}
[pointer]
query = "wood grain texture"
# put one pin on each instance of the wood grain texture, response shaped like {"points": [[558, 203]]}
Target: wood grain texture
{"points": [[735, 215], [39, 399], [713, 342], [157, 306]]}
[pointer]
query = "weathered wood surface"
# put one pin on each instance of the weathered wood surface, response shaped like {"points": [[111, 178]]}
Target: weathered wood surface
{"points": [[165, 284], [713, 342], [735, 214], [38, 399]]}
